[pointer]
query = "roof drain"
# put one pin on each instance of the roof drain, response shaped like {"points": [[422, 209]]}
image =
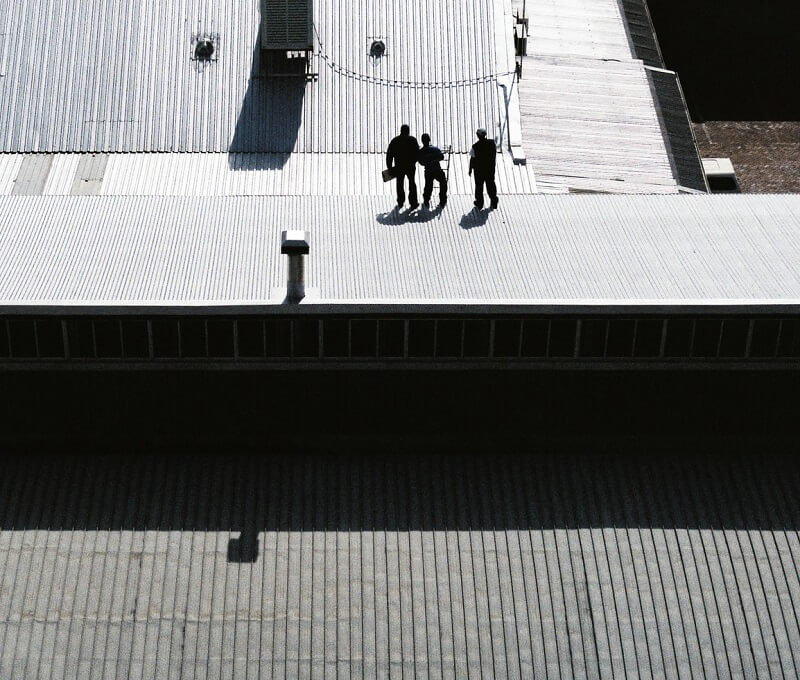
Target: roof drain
{"points": [[295, 245]]}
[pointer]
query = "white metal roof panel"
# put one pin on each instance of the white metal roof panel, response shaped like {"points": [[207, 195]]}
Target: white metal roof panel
{"points": [[590, 120], [534, 250], [250, 174], [587, 28], [591, 124], [108, 75]]}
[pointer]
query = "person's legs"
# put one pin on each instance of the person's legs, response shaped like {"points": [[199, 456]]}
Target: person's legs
{"points": [[428, 190], [478, 190], [442, 179], [412, 187], [491, 189], [401, 194]]}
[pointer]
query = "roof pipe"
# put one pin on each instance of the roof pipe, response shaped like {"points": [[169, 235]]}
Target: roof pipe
{"points": [[295, 244]]}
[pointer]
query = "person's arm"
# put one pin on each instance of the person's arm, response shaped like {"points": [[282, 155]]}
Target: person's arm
{"points": [[471, 160], [389, 156]]}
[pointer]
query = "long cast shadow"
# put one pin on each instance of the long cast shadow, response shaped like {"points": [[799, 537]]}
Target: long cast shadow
{"points": [[532, 485], [397, 451], [269, 119]]}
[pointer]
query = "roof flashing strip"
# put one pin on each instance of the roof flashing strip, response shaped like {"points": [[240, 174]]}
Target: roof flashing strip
{"points": [[313, 305]]}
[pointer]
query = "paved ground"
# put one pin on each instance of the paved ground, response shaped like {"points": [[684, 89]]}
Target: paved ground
{"points": [[765, 155]]}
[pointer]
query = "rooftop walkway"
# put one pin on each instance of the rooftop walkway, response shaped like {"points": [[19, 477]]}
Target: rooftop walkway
{"points": [[594, 117]]}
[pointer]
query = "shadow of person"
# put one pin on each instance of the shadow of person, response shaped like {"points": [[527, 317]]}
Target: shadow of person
{"points": [[425, 214], [269, 119], [396, 217], [474, 218]]}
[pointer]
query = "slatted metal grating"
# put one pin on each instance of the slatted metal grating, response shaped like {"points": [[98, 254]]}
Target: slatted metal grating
{"points": [[327, 339], [286, 25]]}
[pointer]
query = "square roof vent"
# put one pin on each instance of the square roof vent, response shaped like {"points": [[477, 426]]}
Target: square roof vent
{"points": [[286, 25]]}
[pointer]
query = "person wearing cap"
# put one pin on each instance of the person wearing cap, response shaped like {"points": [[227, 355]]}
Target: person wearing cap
{"points": [[429, 158], [482, 160], [401, 156]]}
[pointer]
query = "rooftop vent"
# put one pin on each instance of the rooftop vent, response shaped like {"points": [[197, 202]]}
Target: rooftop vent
{"points": [[377, 49], [721, 176], [286, 25], [295, 244], [204, 50], [287, 39]]}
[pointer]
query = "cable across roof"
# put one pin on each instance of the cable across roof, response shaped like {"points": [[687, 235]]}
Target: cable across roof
{"points": [[130, 82]]}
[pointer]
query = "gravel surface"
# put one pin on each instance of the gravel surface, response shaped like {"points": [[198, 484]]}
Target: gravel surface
{"points": [[765, 155]]}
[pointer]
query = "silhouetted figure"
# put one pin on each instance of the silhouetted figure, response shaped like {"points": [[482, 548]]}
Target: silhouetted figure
{"points": [[429, 157], [402, 155], [483, 157]]}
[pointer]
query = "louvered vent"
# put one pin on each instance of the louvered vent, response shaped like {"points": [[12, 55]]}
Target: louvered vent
{"points": [[286, 25]]}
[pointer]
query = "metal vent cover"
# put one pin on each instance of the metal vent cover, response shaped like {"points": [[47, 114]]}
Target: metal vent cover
{"points": [[286, 25]]}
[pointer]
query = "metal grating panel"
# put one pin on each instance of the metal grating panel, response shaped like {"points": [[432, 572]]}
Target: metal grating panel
{"points": [[642, 34], [286, 25], [521, 340], [678, 132]]}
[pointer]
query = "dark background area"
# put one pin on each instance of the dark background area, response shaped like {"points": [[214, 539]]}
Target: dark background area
{"points": [[316, 405], [736, 60], [353, 450]]}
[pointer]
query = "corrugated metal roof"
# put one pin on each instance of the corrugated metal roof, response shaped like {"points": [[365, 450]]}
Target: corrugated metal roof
{"points": [[217, 174], [558, 565], [592, 125], [9, 169], [534, 250], [578, 28], [590, 119], [108, 75]]}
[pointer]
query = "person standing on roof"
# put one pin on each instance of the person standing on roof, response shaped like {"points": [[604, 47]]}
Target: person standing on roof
{"points": [[402, 157], [429, 157], [482, 159]]}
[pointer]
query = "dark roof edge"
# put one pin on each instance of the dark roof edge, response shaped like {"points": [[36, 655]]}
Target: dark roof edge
{"points": [[642, 32], [676, 129], [421, 308]]}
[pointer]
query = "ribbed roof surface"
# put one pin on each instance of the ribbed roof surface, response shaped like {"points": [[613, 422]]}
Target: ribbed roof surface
{"points": [[593, 117], [108, 75], [221, 174], [593, 125], [544, 563], [534, 249]]}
